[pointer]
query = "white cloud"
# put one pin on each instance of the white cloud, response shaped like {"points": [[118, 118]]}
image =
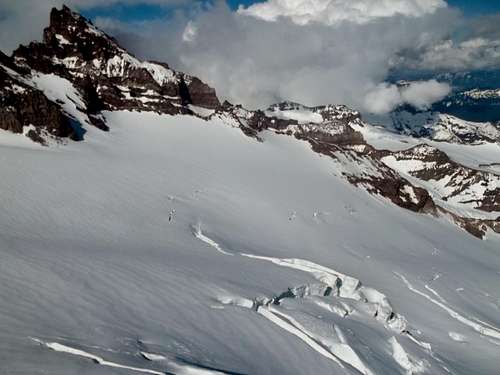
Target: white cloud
{"points": [[256, 63], [334, 11], [474, 53], [385, 97], [423, 94], [190, 31], [382, 99]]}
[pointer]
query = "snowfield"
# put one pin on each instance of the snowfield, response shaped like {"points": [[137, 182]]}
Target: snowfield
{"points": [[174, 245]]}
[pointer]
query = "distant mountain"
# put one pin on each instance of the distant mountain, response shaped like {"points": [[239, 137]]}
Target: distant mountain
{"points": [[443, 127], [475, 95], [479, 105]]}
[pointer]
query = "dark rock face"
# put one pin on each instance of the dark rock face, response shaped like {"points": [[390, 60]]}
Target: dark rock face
{"points": [[336, 133], [76, 50], [468, 186], [104, 74], [454, 186], [398, 190], [25, 109], [250, 122], [491, 201], [201, 94], [8, 63], [372, 174]]}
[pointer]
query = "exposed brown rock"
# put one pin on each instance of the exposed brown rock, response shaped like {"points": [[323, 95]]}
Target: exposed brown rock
{"points": [[201, 94], [74, 49], [461, 182], [477, 227], [22, 106], [394, 188]]}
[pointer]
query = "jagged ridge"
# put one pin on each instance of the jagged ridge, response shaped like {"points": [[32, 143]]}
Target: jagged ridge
{"points": [[106, 76]]}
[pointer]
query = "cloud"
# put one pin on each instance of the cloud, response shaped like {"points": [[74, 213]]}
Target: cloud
{"points": [[310, 51], [190, 32], [475, 44], [385, 97], [334, 11], [446, 55], [423, 94], [382, 99], [257, 62]]}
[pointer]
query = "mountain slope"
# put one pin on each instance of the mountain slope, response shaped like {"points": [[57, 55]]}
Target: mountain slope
{"points": [[84, 72], [443, 127], [94, 263], [199, 237]]}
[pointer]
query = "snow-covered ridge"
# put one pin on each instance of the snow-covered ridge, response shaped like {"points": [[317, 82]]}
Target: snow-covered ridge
{"points": [[313, 115], [338, 135], [444, 128], [119, 66], [481, 94], [465, 191]]}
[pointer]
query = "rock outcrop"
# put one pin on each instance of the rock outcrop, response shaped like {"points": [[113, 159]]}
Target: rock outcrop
{"points": [[75, 49], [104, 74], [24, 109]]}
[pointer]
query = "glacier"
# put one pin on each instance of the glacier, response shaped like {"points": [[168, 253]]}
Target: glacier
{"points": [[272, 264]]}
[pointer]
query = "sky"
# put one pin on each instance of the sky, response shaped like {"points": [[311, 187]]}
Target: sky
{"points": [[148, 11], [471, 7], [310, 51]]}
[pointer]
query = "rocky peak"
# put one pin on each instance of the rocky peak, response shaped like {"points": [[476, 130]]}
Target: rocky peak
{"points": [[68, 28], [75, 49], [95, 73], [70, 34], [340, 113]]}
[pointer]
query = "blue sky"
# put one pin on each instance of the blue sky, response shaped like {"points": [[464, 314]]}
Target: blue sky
{"points": [[147, 12], [476, 6]]}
